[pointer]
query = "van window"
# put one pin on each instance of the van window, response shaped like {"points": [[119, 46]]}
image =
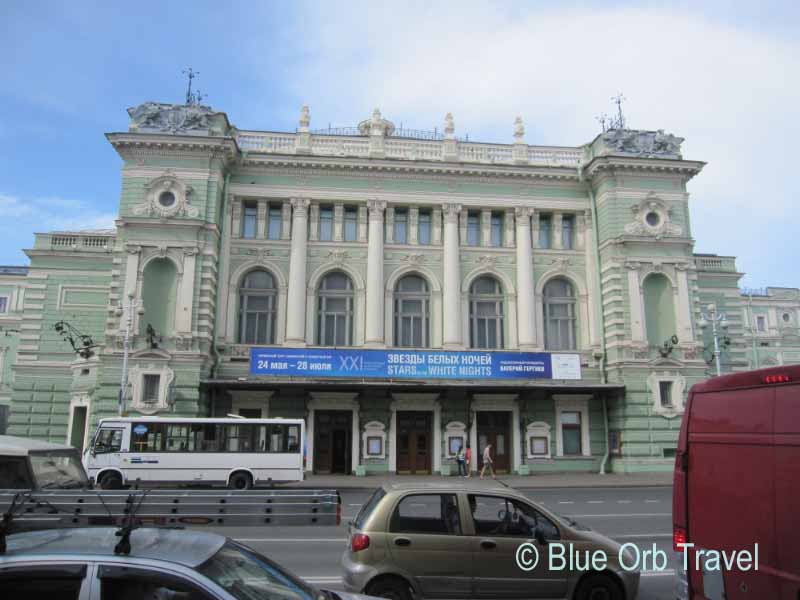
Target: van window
{"points": [[108, 440], [14, 473], [368, 507]]}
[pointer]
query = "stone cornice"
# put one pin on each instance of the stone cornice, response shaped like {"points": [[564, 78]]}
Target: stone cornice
{"points": [[616, 164], [554, 173], [131, 145]]}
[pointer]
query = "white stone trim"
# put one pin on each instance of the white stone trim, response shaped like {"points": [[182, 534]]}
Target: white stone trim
{"points": [[434, 308], [573, 403], [233, 285], [373, 429], [421, 403], [509, 294], [451, 430], [359, 301], [678, 392], [251, 399], [537, 429], [77, 400], [136, 378], [333, 401]]}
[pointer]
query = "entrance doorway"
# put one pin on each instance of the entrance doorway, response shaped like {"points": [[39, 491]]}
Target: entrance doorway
{"points": [[495, 428], [414, 435], [78, 432], [332, 441]]}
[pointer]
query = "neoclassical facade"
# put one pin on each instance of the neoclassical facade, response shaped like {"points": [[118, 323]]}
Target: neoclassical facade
{"points": [[380, 239]]}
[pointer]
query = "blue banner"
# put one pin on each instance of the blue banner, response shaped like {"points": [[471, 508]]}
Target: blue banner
{"points": [[412, 364]]}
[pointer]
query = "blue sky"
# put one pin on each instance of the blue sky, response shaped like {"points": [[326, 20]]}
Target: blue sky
{"points": [[722, 75]]}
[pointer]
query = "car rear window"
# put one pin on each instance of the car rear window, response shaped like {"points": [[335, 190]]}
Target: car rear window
{"points": [[368, 507]]}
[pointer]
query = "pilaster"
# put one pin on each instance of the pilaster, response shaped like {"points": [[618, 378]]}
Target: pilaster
{"points": [[374, 335], [525, 291], [452, 278], [296, 301]]}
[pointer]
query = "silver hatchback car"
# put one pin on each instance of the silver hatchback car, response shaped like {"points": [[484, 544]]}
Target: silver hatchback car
{"points": [[472, 541]]}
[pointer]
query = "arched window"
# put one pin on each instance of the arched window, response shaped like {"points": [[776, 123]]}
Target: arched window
{"points": [[411, 313], [559, 315], [335, 311], [659, 310], [257, 308], [159, 295], [486, 313]]}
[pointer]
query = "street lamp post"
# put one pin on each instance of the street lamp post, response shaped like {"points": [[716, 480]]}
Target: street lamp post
{"points": [[714, 317], [132, 303]]}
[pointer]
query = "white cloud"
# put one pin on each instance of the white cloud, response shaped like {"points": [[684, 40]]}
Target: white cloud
{"points": [[728, 90]]}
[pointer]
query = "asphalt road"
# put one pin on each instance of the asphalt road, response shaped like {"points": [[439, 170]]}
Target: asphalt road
{"points": [[642, 516]]}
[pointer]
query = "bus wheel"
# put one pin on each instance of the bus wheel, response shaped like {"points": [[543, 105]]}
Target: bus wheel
{"points": [[240, 481], [111, 481]]}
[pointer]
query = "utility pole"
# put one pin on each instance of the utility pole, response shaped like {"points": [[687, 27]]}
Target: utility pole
{"points": [[127, 312]]}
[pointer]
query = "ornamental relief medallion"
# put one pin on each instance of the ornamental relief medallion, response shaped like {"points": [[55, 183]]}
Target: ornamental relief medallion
{"points": [[652, 217], [167, 196]]}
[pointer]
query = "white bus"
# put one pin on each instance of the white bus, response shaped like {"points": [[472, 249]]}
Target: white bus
{"points": [[235, 452]]}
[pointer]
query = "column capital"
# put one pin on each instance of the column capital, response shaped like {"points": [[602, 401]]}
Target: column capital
{"points": [[451, 210], [300, 205], [133, 248], [523, 213], [376, 208]]}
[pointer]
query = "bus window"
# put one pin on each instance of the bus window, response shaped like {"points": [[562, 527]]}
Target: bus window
{"points": [[179, 438], [147, 437], [241, 438], [284, 438], [108, 440]]}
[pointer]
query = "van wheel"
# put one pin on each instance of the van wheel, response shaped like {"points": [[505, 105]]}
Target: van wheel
{"points": [[111, 481], [598, 587], [240, 481], [389, 587]]}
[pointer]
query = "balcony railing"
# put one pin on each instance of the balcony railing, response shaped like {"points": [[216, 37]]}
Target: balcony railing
{"points": [[407, 144], [75, 242], [716, 263]]}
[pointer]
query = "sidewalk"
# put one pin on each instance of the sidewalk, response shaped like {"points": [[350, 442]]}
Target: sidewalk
{"points": [[573, 480]]}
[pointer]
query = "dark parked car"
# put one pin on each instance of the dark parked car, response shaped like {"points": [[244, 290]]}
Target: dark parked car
{"points": [[32, 464]]}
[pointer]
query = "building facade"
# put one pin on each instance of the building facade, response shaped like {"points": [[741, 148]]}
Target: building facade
{"points": [[375, 241]]}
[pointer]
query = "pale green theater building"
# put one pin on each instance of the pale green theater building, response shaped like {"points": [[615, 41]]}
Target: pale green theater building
{"points": [[406, 244]]}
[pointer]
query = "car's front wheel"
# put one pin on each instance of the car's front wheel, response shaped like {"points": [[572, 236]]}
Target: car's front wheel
{"points": [[392, 588], [599, 587]]}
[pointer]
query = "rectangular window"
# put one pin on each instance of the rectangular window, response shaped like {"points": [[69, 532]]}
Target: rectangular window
{"points": [[350, 223], [325, 223], [400, 226], [275, 222], [151, 384], [473, 228], [249, 218], [180, 438], [665, 393], [544, 231], [538, 446], [424, 227], [571, 433], [374, 446], [3, 304], [497, 229], [567, 232], [761, 323]]}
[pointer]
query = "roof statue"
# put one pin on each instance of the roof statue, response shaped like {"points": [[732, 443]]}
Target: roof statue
{"points": [[376, 125], [191, 119], [305, 118], [519, 130], [449, 126], [644, 144]]}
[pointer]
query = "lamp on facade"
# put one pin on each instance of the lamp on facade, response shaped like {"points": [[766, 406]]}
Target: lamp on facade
{"points": [[718, 321], [132, 303], [668, 346], [81, 343]]}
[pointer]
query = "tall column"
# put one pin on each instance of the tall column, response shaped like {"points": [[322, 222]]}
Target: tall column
{"points": [[486, 227], [525, 296], [261, 220], [296, 301], [684, 304], [374, 322], [557, 231], [592, 280], [452, 278]]}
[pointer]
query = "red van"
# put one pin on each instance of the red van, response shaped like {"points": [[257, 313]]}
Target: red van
{"points": [[736, 495]]}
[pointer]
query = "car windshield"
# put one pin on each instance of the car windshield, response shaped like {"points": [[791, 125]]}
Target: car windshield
{"points": [[368, 507], [247, 575], [58, 470]]}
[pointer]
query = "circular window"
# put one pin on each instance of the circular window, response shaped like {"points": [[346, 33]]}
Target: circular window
{"points": [[652, 218], [166, 199], [786, 317]]}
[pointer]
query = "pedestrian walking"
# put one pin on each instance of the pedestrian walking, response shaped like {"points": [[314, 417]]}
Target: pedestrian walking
{"points": [[461, 459], [487, 460], [468, 461]]}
